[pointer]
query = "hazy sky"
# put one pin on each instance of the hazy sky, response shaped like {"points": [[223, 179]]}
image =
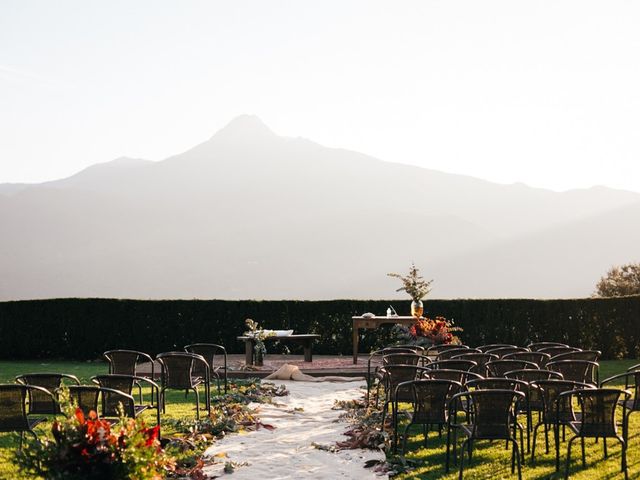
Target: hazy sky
{"points": [[542, 92]]}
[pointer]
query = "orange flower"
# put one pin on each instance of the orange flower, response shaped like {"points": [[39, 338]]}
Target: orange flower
{"points": [[80, 416]]}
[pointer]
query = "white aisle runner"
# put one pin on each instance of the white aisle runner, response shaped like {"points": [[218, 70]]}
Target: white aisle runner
{"points": [[288, 452]]}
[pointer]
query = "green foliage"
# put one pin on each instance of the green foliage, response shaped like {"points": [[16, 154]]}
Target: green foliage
{"points": [[620, 281], [84, 328]]}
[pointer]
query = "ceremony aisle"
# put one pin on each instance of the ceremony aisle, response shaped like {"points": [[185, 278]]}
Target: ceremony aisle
{"points": [[303, 418]]}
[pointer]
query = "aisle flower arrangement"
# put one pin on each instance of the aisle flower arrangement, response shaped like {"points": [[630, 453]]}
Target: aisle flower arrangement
{"points": [[85, 446]]}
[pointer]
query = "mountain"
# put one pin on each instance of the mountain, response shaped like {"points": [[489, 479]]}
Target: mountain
{"points": [[250, 214], [93, 177]]}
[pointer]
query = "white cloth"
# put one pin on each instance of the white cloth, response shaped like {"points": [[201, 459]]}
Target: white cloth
{"points": [[291, 372]]}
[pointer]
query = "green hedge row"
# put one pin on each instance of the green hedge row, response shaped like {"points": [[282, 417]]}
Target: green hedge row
{"points": [[84, 328]]}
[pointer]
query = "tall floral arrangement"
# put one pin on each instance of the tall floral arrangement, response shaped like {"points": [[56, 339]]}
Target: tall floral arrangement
{"points": [[413, 283]]}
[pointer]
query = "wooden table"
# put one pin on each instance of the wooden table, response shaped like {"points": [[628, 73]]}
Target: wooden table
{"points": [[373, 323], [305, 339]]}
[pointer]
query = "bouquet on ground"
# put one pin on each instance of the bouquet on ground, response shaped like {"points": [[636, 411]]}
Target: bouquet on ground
{"points": [[259, 335], [427, 332]]}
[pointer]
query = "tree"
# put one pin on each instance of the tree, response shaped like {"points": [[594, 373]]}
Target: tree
{"points": [[619, 281]]}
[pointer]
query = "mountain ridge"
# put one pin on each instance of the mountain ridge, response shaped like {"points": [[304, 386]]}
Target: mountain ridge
{"points": [[250, 214]]}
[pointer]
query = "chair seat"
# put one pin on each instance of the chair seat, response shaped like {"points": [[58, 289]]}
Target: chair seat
{"points": [[35, 421], [486, 434], [630, 404], [590, 432], [138, 409]]}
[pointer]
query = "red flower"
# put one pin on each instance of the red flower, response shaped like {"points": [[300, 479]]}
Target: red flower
{"points": [[152, 435]]}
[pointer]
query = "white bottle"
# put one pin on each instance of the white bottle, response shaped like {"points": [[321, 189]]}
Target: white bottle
{"points": [[388, 312]]}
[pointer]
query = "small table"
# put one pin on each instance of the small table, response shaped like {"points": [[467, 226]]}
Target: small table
{"points": [[305, 339], [372, 323]]}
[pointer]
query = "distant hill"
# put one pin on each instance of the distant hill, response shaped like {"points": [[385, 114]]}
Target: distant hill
{"points": [[249, 214]]}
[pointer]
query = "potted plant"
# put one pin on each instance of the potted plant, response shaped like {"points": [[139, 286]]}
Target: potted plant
{"points": [[417, 288]]}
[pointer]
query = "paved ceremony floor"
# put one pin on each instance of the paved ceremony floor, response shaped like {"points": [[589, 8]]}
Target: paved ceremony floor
{"points": [[322, 365], [303, 418]]}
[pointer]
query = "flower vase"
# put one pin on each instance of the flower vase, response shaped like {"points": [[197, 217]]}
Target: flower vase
{"points": [[259, 358], [417, 309]]}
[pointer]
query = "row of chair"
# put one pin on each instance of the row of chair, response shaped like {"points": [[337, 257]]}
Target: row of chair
{"points": [[36, 394], [27, 403], [492, 402], [577, 365]]}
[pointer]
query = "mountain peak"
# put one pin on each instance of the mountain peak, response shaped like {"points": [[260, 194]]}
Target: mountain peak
{"points": [[244, 127]]}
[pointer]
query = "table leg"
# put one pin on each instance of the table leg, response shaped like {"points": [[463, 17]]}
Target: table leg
{"points": [[307, 351], [248, 352], [355, 344]]}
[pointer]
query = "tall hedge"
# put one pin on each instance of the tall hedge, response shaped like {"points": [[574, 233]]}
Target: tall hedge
{"points": [[84, 328]]}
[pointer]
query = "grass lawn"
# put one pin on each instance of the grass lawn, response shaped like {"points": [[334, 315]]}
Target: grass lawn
{"points": [[492, 461], [489, 460]]}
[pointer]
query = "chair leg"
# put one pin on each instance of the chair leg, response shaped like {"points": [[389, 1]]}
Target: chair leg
{"points": [[521, 438], [584, 458], [519, 463], [394, 429], [448, 447], [462, 458], [604, 444], [568, 462], [163, 400], [546, 438], [533, 445], [529, 421], [516, 456], [624, 467], [384, 414], [556, 438], [197, 403], [404, 437], [455, 446]]}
